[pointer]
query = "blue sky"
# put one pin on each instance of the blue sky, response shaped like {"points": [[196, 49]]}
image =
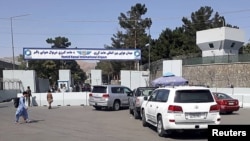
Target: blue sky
{"points": [[91, 23]]}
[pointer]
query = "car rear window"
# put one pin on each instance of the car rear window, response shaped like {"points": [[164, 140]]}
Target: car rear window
{"points": [[144, 91], [99, 89], [191, 96], [222, 96]]}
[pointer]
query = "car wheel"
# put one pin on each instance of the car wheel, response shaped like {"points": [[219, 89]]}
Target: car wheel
{"points": [[116, 105], [160, 130], [136, 114], [144, 123]]}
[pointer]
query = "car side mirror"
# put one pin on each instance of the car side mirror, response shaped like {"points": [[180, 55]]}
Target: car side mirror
{"points": [[145, 98]]}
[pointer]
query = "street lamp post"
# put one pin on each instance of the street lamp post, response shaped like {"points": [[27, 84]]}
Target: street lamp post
{"points": [[12, 38]]}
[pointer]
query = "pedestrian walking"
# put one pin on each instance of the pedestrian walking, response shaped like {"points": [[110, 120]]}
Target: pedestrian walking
{"points": [[49, 98], [22, 109]]}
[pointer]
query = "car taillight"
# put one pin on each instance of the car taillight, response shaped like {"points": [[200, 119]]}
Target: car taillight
{"points": [[90, 95], [105, 95], [174, 109], [225, 102], [214, 108]]}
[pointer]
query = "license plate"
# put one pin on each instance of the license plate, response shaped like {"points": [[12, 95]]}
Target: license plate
{"points": [[230, 103], [195, 115]]}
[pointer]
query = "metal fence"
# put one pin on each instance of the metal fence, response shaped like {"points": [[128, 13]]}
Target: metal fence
{"points": [[217, 59], [158, 65]]}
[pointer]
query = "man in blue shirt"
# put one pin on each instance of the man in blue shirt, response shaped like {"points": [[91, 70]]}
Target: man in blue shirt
{"points": [[22, 109]]}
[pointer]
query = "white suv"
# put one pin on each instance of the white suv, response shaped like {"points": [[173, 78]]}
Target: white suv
{"points": [[109, 96], [180, 108]]}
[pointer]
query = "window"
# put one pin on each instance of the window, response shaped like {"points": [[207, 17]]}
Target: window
{"points": [[222, 96], [144, 91], [211, 45], [127, 90], [162, 96], [99, 89], [115, 89], [191, 96], [153, 96]]}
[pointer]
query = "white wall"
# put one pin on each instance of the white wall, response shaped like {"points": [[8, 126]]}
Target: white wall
{"points": [[96, 77], [173, 66], [134, 79], [26, 77], [61, 99], [65, 75], [222, 33]]}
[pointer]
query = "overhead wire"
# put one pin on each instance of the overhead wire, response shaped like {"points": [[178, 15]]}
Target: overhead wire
{"points": [[110, 21]]}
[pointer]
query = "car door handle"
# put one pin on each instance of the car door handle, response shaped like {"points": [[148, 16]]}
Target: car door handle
{"points": [[157, 107], [150, 105]]}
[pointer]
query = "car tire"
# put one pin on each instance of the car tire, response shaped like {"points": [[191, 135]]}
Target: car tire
{"points": [[136, 114], [161, 132], [116, 106], [144, 123]]}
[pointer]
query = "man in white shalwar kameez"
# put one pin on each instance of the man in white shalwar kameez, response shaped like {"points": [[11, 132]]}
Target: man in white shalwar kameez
{"points": [[22, 109]]}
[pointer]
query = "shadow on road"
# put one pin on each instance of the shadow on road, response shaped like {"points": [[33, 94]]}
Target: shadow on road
{"points": [[35, 121]]}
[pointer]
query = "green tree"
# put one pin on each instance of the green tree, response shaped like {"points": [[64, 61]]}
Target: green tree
{"points": [[132, 36], [181, 42], [23, 63], [59, 42]]}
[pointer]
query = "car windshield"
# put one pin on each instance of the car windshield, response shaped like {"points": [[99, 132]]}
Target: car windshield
{"points": [[222, 96], [191, 96], [99, 89], [144, 91]]}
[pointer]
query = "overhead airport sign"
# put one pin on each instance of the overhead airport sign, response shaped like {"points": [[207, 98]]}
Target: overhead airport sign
{"points": [[81, 54]]}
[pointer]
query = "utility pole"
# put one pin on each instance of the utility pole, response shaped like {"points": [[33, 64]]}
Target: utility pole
{"points": [[136, 62], [12, 39]]}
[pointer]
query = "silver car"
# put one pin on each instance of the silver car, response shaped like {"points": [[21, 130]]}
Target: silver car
{"points": [[109, 97], [135, 101]]}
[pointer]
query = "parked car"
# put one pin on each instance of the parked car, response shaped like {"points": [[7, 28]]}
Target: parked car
{"points": [[227, 103], [137, 98], [109, 97], [86, 87], [180, 108]]}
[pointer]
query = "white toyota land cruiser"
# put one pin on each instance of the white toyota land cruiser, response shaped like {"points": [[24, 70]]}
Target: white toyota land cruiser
{"points": [[180, 108]]}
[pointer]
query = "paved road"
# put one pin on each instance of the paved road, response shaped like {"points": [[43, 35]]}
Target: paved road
{"points": [[86, 124]]}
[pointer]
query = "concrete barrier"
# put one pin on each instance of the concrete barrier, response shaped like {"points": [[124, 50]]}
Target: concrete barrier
{"points": [[60, 99], [81, 98]]}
